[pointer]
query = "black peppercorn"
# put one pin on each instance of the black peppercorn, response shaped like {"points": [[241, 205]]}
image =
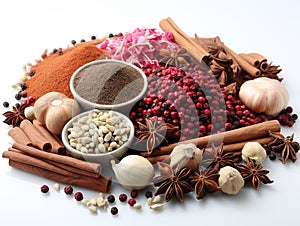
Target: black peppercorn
{"points": [[17, 105], [73, 42], [18, 96], [110, 35], [111, 198], [82, 40], [114, 210], [6, 104], [54, 50], [23, 86], [93, 37], [148, 194]]}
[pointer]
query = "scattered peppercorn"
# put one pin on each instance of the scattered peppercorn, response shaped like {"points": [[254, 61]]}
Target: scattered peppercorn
{"points": [[123, 197], [6, 104], [23, 86], [148, 194], [93, 37], [131, 202], [31, 73], [111, 198], [111, 35], [18, 96], [82, 40], [114, 210], [23, 93], [44, 189], [73, 42], [54, 50], [78, 196], [17, 105], [134, 193], [68, 190], [272, 156]]}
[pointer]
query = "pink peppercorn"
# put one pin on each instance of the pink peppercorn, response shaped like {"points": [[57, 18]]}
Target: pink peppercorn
{"points": [[134, 193], [123, 197], [78, 196], [68, 190], [44, 189], [131, 202]]}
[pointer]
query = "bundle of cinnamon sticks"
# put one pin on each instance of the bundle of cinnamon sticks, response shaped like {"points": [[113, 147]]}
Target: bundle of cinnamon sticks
{"points": [[233, 140], [58, 168]]}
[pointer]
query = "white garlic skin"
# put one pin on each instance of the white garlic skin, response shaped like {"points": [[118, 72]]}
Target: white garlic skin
{"points": [[264, 95], [254, 151], [230, 180], [133, 172], [186, 155]]}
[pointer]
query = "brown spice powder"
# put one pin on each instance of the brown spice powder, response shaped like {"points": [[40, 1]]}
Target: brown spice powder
{"points": [[109, 83], [54, 73]]}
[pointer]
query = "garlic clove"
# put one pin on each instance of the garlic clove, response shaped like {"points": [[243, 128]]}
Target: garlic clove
{"points": [[186, 155], [230, 180], [133, 172], [254, 151]]}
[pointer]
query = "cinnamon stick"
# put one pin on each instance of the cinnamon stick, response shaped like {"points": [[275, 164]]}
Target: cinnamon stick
{"points": [[26, 159], [101, 184], [57, 147], [18, 135], [236, 147], [36, 138], [73, 169], [229, 137], [251, 70], [67, 160], [183, 40], [258, 57], [250, 59]]}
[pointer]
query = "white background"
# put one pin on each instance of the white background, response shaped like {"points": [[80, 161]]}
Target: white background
{"points": [[268, 27]]}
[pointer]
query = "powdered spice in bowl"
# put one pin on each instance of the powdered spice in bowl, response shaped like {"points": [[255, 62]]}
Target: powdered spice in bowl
{"points": [[108, 84]]}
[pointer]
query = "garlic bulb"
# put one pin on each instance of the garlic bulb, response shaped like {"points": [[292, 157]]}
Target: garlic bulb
{"points": [[54, 110], [133, 172], [186, 155], [230, 180], [254, 151], [264, 95], [29, 112]]}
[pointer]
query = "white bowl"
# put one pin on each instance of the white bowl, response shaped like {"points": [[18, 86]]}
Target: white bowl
{"points": [[103, 158], [122, 107]]}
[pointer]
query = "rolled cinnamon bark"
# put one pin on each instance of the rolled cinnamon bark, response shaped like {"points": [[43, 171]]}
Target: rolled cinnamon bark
{"points": [[36, 138], [247, 133], [18, 135], [101, 184], [260, 58], [56, 146], [183, 40], [77, 163], [250, 59]]}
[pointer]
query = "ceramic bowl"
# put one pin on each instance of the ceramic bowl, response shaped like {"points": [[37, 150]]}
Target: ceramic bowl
{"points": [[121, 107], [103, 158]]}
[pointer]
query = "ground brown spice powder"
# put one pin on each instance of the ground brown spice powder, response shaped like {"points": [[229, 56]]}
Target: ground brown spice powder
{"points": [[54, 73]]}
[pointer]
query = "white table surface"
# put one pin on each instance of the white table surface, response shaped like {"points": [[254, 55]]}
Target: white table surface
{"points": [[268, 27]]}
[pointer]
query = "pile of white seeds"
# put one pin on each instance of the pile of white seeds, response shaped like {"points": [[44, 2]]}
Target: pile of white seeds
{"points": [[99, 132]]}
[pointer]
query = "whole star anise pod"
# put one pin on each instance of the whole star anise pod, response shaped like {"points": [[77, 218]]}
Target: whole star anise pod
{"points": [[172, 182], [155, 132], [254, 173], [284, 145], [16, 116], [218, 159], [175, 58], [205, 181]]}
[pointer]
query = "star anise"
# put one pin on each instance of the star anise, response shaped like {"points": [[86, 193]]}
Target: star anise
{"points": [[272, 72], [253, 172], [172, 182], [155, 132], [16, 116], [175, 58], [205, 181], [218, 159], [284, 145]]}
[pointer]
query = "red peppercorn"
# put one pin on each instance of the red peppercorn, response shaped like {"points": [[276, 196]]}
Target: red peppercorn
{"points": [[123, 197], [131, 201], [68, 190], [24, 93], [44, 188], [30, 99], [78, 196], [134, 193]]}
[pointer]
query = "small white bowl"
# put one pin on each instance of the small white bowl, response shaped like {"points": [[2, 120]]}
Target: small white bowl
{"points": [[103, 158], [123, 107]]}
